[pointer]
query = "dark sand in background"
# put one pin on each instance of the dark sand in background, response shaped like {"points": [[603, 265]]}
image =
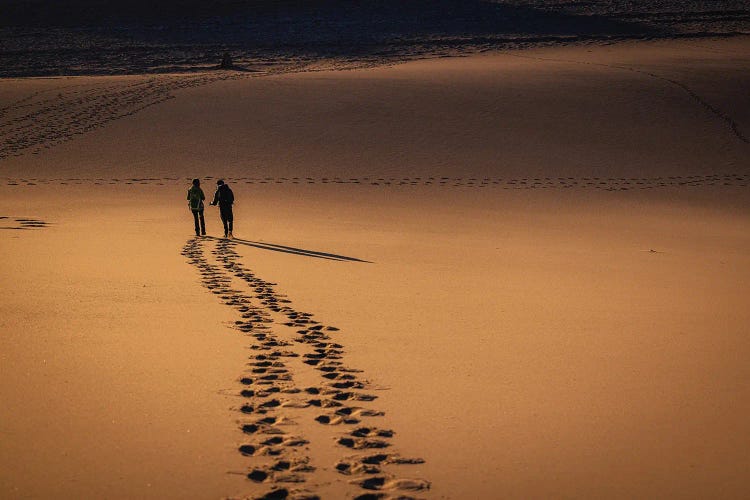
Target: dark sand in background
{"points": [[89, 37]]}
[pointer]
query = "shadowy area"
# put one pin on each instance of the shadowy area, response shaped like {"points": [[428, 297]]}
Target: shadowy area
{"points": [[312, 20], [41, 37], [286, 249], [44, 37]]}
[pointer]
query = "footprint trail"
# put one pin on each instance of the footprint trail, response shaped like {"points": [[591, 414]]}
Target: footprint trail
{"points": [[299, 393]]}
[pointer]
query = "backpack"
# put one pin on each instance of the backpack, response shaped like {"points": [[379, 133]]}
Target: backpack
{"points": [[196, 202]]}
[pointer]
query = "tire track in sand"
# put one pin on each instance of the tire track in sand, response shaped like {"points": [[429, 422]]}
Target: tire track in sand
{"points": [[299, 393]]}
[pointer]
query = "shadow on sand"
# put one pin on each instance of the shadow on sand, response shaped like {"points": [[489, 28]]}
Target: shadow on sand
{"points": [[143, 36], [287, 249]]}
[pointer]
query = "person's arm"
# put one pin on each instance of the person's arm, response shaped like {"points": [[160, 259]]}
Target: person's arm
{"points": [[216, 198]]}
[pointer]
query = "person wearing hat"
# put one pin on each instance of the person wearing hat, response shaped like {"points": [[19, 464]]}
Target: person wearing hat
{"points": [[224, 197], [195, 199]]}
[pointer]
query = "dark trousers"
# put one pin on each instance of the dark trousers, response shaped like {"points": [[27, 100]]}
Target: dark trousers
{"points": [[198, 216], [227, 218]]}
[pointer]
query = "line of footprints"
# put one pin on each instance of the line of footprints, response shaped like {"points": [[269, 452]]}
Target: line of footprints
{"points": [[50, 117], [603, 183], [21, 223], [271, 396]]}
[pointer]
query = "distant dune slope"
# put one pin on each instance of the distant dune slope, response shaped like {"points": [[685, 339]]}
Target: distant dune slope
{"points": [[106, 37]]}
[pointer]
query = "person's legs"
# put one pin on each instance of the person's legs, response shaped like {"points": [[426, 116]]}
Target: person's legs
{"points": [[230, 219], [203, 223], [195, 218], [224, 220]]}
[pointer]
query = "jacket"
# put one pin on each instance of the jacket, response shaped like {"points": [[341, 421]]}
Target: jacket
{"points": [[195, 198], [224, 196]]}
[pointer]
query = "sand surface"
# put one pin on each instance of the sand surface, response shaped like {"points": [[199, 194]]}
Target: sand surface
{"points": [[535, 265]]}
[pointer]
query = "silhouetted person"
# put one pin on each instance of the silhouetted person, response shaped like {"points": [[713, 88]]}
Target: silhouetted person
{"points": [[195, 198], [226, 61], [224, 197]]}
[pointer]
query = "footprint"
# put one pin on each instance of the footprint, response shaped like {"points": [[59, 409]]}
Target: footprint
{"points": [[383, 483], [352, 396], [268, 376], [361, 443]]}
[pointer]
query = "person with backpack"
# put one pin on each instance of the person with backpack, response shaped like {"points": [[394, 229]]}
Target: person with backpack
{"points": [[195, 199], [224, 197]]}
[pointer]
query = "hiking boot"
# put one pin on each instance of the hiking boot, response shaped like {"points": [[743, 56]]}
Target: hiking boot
{"points": [[230, 234]]}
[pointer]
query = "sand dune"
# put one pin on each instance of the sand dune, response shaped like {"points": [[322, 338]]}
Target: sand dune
{"points": [[511, 275], [90, 37], [615, 112]]}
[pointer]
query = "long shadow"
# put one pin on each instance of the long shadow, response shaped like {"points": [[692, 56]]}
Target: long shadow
{"points": [[292, 250]]}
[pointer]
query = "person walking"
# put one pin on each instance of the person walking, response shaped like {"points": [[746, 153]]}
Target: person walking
{"points": [[224, 197], [195, 199]]}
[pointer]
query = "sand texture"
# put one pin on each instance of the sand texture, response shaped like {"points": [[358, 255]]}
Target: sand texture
{"points": [[512, 275]]}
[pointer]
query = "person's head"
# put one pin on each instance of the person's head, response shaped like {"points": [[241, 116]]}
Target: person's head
{"points": [[220, 182], [196, 182]]}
